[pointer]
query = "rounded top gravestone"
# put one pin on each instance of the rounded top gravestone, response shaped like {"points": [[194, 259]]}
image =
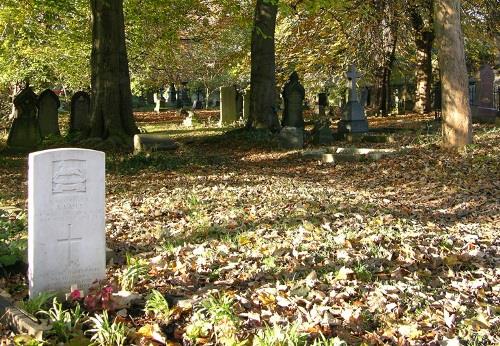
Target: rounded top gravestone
{"points": [[25, 130], [80, 111], [293, 96], [48, 106]]}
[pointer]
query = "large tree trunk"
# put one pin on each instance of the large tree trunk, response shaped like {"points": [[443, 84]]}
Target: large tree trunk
{"points": [[457, 122], [263, 110], [112, 116]]}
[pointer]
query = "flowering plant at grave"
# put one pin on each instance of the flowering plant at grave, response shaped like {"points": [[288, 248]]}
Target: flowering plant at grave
{"points": [[99, 297]]}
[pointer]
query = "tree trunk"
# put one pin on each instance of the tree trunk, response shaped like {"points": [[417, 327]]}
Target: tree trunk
{"points": [[386, 92], [112, 116], [456, 113], [263, 112], [424, 38], [423, 73]]}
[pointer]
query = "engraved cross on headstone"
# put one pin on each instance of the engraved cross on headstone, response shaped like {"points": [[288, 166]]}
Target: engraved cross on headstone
{"points": [[68, 240], [352, 75]]}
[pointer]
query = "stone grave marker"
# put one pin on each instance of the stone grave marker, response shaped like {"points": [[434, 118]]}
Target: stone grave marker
{"points": [[66, 230], [293, 96], [184, 95], [484, 110], [292, 137], [48, 113], [80, 111], [228, 109], [322, 104], [353, 115], [171, 96], [24, 132], [159, 102]]}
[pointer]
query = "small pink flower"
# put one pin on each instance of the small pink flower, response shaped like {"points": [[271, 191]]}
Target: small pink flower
{"points": [[75, 295]]}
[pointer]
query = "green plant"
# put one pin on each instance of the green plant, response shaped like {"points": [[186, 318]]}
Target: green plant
{"points": [[12, 244], [64, 322], [280, 336], [197, 328], [27, 340], [106, 333], [34, 305], [158, 305], [220, 310], [362, 272], [133, 272], [323, 341]]}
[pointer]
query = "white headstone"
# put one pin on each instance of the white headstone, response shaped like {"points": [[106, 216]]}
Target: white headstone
{"points": [[66, 237]]}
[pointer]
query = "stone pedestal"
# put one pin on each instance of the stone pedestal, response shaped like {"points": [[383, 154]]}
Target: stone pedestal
{"points": [[353, 119]]}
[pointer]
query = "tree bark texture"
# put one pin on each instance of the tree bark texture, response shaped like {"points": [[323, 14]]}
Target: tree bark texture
{"points": [[456, 113], [112, 115], [263, 110], [424, 39], [423, 73]]}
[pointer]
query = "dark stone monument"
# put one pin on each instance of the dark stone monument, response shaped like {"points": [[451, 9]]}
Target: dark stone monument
{"points": [[25, 130], [80, 112], [171, 96], [198, 102], [353, 115], [322, 104], [185, 99], [293, 95], [484, 110], [48, 113]]}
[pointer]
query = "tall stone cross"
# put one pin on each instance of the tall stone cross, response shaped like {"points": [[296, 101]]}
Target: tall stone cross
{"points": [[68, 240], [352, 75]]}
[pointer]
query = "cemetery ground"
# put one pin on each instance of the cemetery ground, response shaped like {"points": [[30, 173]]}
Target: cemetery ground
{"points": [[248, 243]]}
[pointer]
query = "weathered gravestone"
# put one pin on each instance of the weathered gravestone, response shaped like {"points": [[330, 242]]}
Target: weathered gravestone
{"points": [[66, 231], [292, 137], [48, 113], [228, 109], [159, 102], [198, 99], [80, 112], [353, 115], [484, 110], [25, 130], [322, 104], [172, 96], [293, 96], [184, 95]]}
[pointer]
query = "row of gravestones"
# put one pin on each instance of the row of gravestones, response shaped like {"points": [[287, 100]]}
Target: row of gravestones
{"points": [[353, 117], [36, 117], [174, 98]]}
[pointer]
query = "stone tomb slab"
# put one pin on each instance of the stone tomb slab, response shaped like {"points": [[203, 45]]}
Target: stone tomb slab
{"points": [[66, 230]]}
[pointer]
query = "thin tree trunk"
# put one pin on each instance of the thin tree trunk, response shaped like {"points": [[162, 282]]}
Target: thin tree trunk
{"points": [[112, 116], [457, 122], [424, 39], [263, 111], [423, 73]]}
